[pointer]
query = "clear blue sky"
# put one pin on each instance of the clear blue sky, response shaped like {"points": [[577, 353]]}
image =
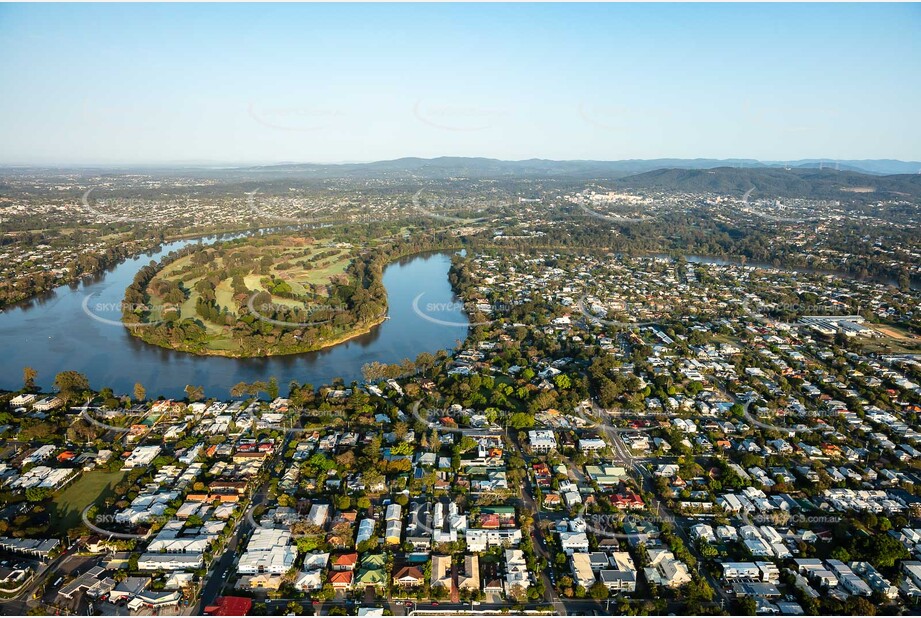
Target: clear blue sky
{"points": [[329, 83]]}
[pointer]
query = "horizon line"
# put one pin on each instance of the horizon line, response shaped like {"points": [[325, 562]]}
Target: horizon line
{"points": [[240, 164]]}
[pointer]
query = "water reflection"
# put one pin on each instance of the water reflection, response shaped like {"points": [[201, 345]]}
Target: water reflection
{"points": [[52, 334]]}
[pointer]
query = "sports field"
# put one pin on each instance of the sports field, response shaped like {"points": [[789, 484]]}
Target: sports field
{"points": [[93, 486]]}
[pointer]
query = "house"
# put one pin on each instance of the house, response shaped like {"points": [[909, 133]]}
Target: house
{"points": [[627, 500], [516, 571], [703, 532], [345, 562], [47, 404], [726, 533], [394, 512], [581, 566], [573, 542], [365, 531], [340, 580], [260, 581], [665, 570], [394, 530], [318, 515], [97, 545], [541, 440], [315, 561], [469, 578], [309, 581], [740, 570], [408, 577], [666, 470], [141, 456], [591, 444], [170, 562], [621, 577], [441, 572], [21, 400]]}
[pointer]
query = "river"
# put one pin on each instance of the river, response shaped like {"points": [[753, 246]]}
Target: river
{"points": [[77, 327]]}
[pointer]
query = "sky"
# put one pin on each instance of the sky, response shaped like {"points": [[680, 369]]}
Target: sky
{"points": [[240, 83]]}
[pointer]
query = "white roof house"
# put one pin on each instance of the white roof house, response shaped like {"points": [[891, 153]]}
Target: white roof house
{"points": [[268, 551], [541, 440], [365, 530], [394, 512], [582, 572], [574, 542], [666, 570]]}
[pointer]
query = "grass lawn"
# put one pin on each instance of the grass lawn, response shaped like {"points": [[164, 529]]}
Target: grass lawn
{"points": [[93, 486], [249, 257]]}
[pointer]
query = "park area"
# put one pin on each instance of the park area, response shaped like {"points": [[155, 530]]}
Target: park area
{"points": [[258, 296], [92, 487]]}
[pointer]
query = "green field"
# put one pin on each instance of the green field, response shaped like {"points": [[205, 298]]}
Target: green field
{"points": [[93, 486], [280, 266], [297, 277]]}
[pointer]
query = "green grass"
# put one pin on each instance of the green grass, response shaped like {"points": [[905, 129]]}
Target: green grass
{"points": [[224, 294], [298, 277], [92, 487]]}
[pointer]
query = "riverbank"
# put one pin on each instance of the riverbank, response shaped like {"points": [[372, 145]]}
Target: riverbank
{"points": [[80, 329], [351, 334]]}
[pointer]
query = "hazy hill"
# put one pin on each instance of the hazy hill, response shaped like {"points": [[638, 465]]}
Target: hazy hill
{"points": [[779, 182], [475, 167], [481, 167]]}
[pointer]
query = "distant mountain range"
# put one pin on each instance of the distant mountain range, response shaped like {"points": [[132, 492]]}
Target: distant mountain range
{"points": [[780, 182], [479, 167], [865, 180]]}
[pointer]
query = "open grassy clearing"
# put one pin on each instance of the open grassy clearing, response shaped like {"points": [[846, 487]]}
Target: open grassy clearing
{"points": [[889, 345], [224, 294], [299, 276], [92, 487], [898, 334], [296, 274]]}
